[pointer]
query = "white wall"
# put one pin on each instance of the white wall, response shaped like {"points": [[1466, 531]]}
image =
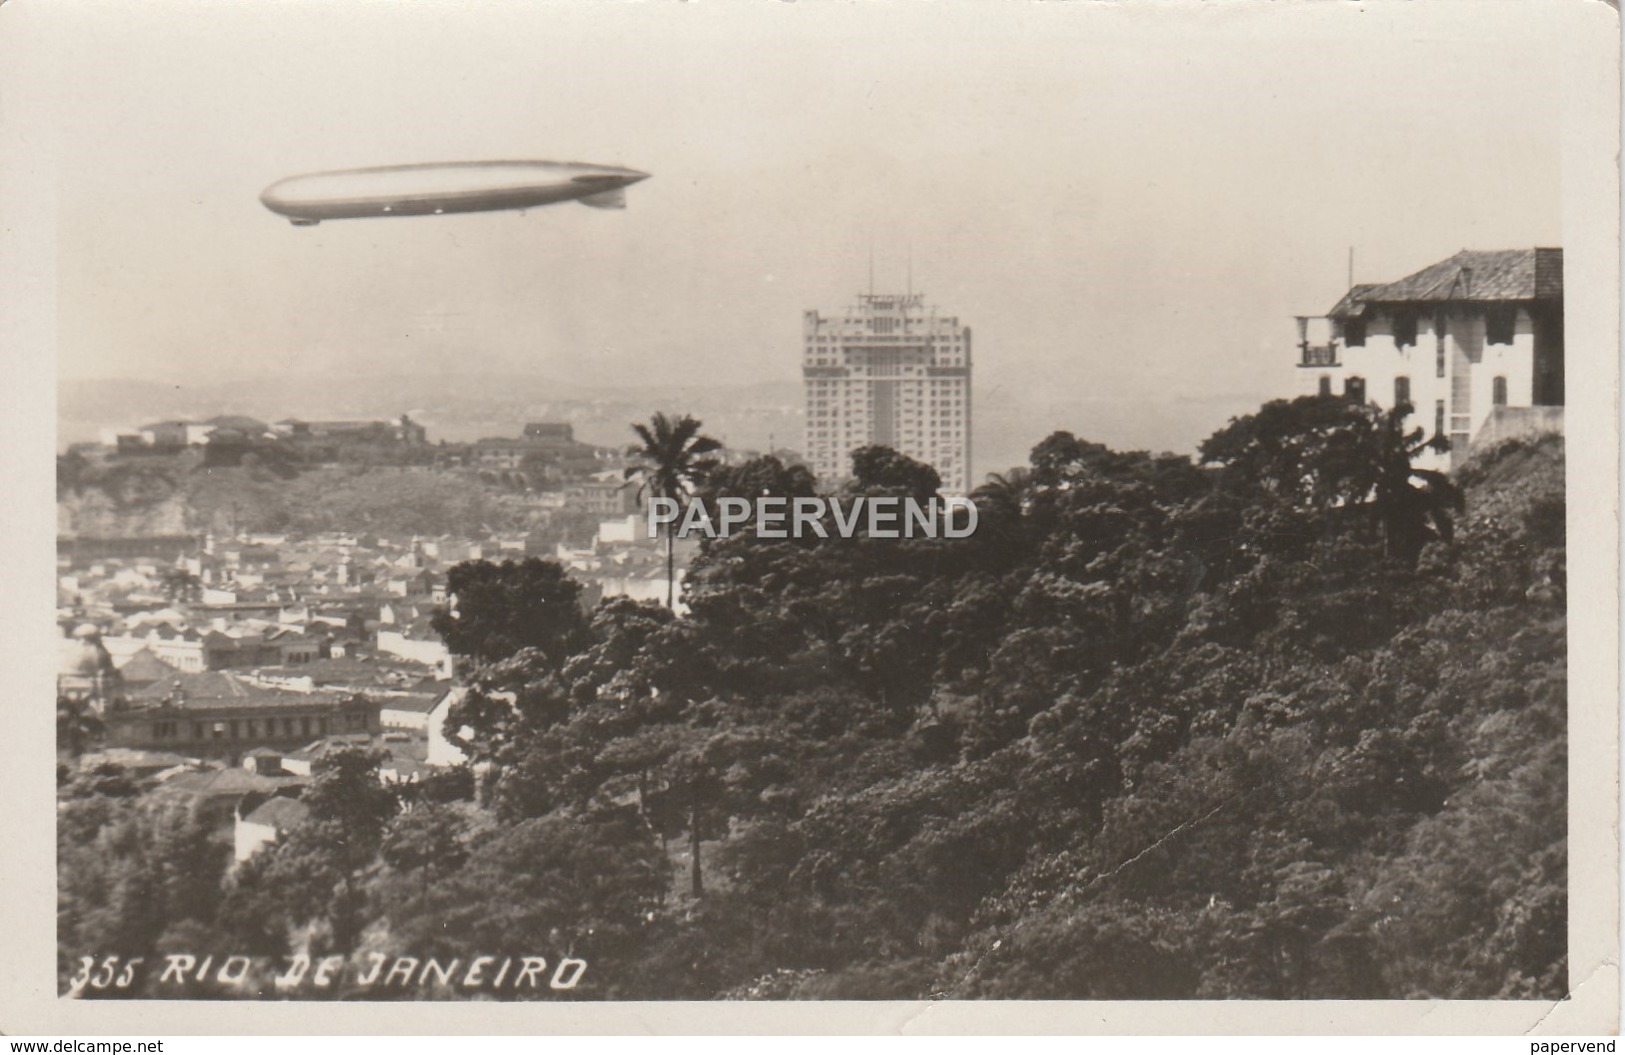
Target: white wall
{"points": [[392, 718], [640, 588], [1380, 362], [187, 655], [629, 529], [1515, 362], [121, 647], [442, 752], [433, 653], [248, 837]]}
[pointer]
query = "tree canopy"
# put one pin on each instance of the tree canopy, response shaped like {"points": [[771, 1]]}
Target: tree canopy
{"points": [[1286, 722], [502, 608]]}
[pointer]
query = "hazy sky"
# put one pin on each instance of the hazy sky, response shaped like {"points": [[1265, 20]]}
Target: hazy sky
{"points": [[1127, 205]]}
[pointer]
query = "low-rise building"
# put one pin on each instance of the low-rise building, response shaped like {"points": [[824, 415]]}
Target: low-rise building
{"points": [[408, 712], [547, 449], [218, 790], [136, 762], [143, 669], [1472, 339], [223, 715], [418, 642], [607, 494], [442, 752], [188, 649], [402, 431], [265, 823], [626, 530], [643, 585]]}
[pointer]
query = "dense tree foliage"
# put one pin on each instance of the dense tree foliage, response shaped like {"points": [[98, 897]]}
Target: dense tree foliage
{"points": [[502, 608], [1285, 722], [137, 873]]}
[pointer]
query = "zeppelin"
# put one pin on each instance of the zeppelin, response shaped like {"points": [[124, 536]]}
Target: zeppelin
{"points": [[431, 190]]}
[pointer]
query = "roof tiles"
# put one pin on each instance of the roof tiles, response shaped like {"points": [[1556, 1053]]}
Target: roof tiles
{"points": [[218, 688], [1470, 275]]}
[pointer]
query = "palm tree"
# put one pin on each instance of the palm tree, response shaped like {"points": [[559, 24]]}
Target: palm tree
{"points": [[1002, 502], [1413, 505], [670, 461], [1006, 492]]}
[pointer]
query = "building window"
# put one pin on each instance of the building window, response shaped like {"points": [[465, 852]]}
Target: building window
{"points": [[1354, 332], [1500, 323], [1404, 328], [1354, 390], [1325, 385], [1402, 391], [1438, 344], [1438, 418], [1498, 389]]}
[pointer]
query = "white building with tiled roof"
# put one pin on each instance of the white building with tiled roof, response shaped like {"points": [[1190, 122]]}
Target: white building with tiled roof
{"points": [[1473, 343]]}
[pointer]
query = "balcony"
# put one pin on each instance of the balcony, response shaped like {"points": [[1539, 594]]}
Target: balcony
{"points": [[1318, 354], [1316, 344]]}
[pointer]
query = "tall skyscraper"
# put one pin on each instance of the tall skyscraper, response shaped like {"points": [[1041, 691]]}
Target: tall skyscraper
{"points": [[888, 370]]}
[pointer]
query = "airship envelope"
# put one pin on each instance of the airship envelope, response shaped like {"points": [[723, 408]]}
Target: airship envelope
{"points": [[430, 190]]}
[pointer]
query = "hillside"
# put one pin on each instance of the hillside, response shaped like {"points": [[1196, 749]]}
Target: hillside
{"points": [[1159, 729], [454, 407], [179, 495]]}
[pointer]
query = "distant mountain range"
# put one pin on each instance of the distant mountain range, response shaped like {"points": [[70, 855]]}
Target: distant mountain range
{"points": [[464, 407]]}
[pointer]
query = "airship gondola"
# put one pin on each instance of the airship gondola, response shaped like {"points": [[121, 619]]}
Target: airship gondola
{"points": [[436, 189]]}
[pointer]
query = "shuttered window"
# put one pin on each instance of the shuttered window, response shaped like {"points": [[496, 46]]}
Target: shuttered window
{"points": [[1405, 328], [1500, 323]]}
